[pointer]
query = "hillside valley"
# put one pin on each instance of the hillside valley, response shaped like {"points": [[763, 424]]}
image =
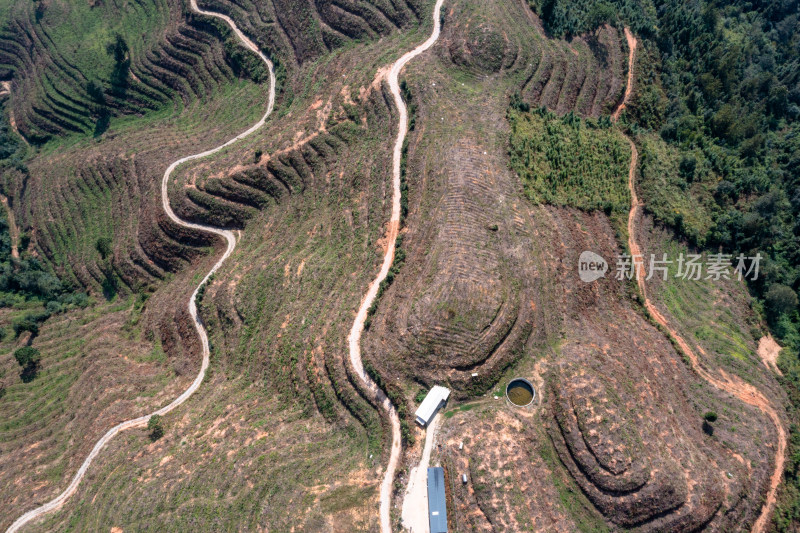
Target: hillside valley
{"points": [[240, 242]]}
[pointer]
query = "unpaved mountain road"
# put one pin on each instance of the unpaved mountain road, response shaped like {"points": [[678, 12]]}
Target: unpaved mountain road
{"points": [[391, 238], [415, 502], [632, 42], [201, 332], [730, 384]]}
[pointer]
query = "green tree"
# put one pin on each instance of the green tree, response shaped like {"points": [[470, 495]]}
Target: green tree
{"points": [[779, 300], [28, 358], [156, 427], [26, 323], [709, 418], [103, 246]]}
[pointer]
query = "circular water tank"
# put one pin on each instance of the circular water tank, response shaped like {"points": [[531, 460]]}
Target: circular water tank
{"points": [[520, 392]]}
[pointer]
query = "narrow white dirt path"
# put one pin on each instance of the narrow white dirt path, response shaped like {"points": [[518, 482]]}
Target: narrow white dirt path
{"points": [[201, 332], [733, 385], [391, 238], [13, 230], [415, 502], [6, 89]]}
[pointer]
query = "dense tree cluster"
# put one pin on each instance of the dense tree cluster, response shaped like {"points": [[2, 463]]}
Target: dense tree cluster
{"points": [[723, 83], [569, 161], [25, 279], [565, 18], [10, 144]]}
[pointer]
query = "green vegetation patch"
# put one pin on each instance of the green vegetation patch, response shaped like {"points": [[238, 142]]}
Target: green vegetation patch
{"points": [[567, 161], [696, 304], [678, 190], [345, 497], [572, 17]]}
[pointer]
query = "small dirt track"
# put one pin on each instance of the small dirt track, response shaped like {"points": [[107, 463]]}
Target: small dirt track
{"points": [[391, 238], [201, 332], [730, 384]]}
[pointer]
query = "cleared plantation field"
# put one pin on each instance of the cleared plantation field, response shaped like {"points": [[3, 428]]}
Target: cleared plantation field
{"points": [[90, 191], [240, 458], [54, 50], [74, 72], [286, 434], [489, 282], [716, 315], [281, 435], [92, 373], [585, 75], [304, 31], [75, 194]]}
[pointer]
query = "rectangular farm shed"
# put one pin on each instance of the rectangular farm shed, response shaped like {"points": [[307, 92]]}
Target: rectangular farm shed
{"points": [[432, 402], [437, 504]]}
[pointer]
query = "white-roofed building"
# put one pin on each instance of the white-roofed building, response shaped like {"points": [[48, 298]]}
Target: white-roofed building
{"points": [[436, 397]]}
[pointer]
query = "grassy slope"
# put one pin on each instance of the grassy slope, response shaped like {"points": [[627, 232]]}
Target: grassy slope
{"points": [[92, 372], [82, 30], [720, 317], [102, 351], [95, 212]]}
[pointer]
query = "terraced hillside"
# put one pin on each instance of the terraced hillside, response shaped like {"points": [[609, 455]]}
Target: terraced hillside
{"points": [[306, 30], [76, 194], [511, 169], [488, 290], [476, 296], [91, 374], [72, 72], [290, 366]]}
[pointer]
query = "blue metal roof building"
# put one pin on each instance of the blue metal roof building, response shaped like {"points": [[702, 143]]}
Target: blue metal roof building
{"points": [[437, 503]]}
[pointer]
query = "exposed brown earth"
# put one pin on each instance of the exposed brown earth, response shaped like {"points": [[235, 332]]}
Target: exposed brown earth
{"points": [[489, 283], [768, 351], [629, 84], [734, 385]]}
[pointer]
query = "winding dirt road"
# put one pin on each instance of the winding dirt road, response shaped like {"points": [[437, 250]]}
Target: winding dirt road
{"points": [[731, 384], [391, 238], [201, 332]]}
